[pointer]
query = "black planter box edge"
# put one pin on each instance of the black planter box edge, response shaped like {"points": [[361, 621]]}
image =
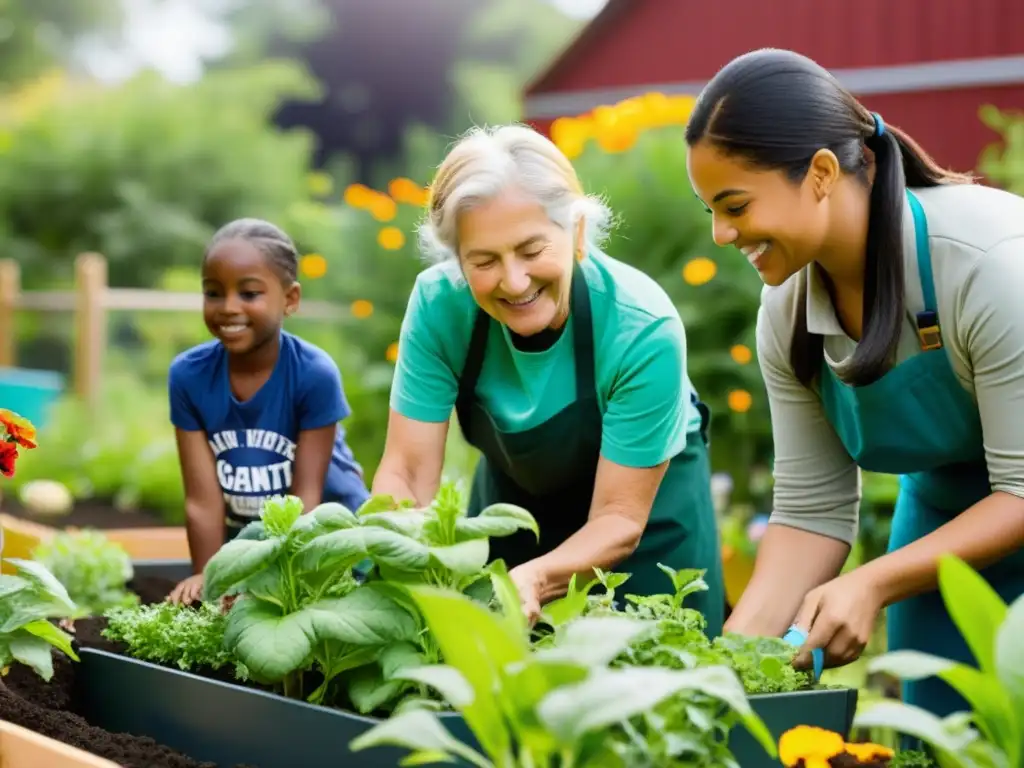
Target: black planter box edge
{"points": [[229, 724]]}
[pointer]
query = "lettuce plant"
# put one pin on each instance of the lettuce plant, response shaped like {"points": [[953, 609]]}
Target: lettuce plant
{"points": [[538, 707], [301, 608], [94, 569], [442, 547], [992, 734], [27, 601]]}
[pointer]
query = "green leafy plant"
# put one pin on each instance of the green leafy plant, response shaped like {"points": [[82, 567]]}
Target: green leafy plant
{"points": [[992, 734], [687, 729], [910, 758], [679, 640], [301, 608], [451, 547], [27, 601], [92, 568], [559, 705], [442, 547], [299, 605], [167, 633]]}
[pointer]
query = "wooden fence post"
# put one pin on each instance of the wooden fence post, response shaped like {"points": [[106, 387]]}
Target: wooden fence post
{"points": [[90, 325], [10, 287]]}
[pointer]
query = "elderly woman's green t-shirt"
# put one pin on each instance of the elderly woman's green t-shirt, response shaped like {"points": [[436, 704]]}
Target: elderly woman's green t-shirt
{"points": [[643, 389]]}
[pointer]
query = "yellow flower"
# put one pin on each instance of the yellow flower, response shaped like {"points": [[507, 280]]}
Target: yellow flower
{"points": [[570, 135], [812, 745], [358, 195], [319, 184], [679, 109], [407, 191], [741, 354], [390, 238], [361, 309], [392, 352], [617, 138], [382, 207], [740, 400], [313, 265], [657, 109], [699, 270]]}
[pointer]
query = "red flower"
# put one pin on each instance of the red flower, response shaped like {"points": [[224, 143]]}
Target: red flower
{"points": [[8, 454], [19, 429]]}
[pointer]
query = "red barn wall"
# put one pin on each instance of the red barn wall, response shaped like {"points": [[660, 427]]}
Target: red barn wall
{"points": [[676, 45]]}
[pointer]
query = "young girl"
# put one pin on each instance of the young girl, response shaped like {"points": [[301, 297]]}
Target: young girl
{"points": [[256, 410]]}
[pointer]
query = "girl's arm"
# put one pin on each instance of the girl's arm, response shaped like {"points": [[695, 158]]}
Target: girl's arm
{"points": [[204, 501], [313, 453], [321, 405]]}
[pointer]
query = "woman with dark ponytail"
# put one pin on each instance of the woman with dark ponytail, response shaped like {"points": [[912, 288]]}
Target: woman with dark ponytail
{"points": [[890, 337]]}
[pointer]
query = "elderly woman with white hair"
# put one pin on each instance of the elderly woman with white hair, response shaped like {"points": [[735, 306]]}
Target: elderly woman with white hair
{"points": [[567, 370]]}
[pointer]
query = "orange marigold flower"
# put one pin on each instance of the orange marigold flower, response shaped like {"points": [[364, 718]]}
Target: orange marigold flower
{"points": [[812, 745], [741, 354], [740, 400], [8, 455], [19, 429]]}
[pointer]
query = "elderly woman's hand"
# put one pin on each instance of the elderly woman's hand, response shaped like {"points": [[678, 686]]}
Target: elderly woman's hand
{"points": [[527, 581]]}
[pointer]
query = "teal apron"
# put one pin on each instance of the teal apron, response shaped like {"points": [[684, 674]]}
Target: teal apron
{"points": [[550, 470], [919, 422]]}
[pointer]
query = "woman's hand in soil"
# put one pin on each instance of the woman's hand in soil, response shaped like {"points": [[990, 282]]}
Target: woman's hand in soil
{"points": [[188, 591], [839, 617]]}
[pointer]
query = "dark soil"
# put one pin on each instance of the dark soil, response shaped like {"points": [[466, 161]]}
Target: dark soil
{"points": [[46, 708], [151, 589], [50, 708], [90, 513]]}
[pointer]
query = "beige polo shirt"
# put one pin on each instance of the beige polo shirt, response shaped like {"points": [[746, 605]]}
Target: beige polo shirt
{"points": [[976, 235]]}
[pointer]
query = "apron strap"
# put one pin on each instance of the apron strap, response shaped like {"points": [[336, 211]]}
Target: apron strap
{"points": [[583, 334], [929, 332], [475, 355]]}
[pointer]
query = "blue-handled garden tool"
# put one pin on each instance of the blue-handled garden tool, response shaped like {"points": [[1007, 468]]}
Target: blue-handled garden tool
{"points": [[796, 636]]}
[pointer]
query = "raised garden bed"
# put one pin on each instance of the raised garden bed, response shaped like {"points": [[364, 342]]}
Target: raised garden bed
{"points": [[143, 535], [56, 710], [213, 718], [22, 748], [61, 710], [185, 719], [89, 513], [222, 721]]}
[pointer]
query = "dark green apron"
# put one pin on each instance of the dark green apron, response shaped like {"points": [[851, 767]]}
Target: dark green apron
{"points": [[919, 422], [550, 470]]}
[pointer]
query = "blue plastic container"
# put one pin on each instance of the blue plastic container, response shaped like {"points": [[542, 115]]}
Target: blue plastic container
{"points": [[30, 393]]}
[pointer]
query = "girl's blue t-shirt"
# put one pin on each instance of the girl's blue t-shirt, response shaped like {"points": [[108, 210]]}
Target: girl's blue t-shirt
{"points": [[254, 442]]}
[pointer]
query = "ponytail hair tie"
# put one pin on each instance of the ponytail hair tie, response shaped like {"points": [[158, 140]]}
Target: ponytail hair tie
{"points": [[879, 124]]}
